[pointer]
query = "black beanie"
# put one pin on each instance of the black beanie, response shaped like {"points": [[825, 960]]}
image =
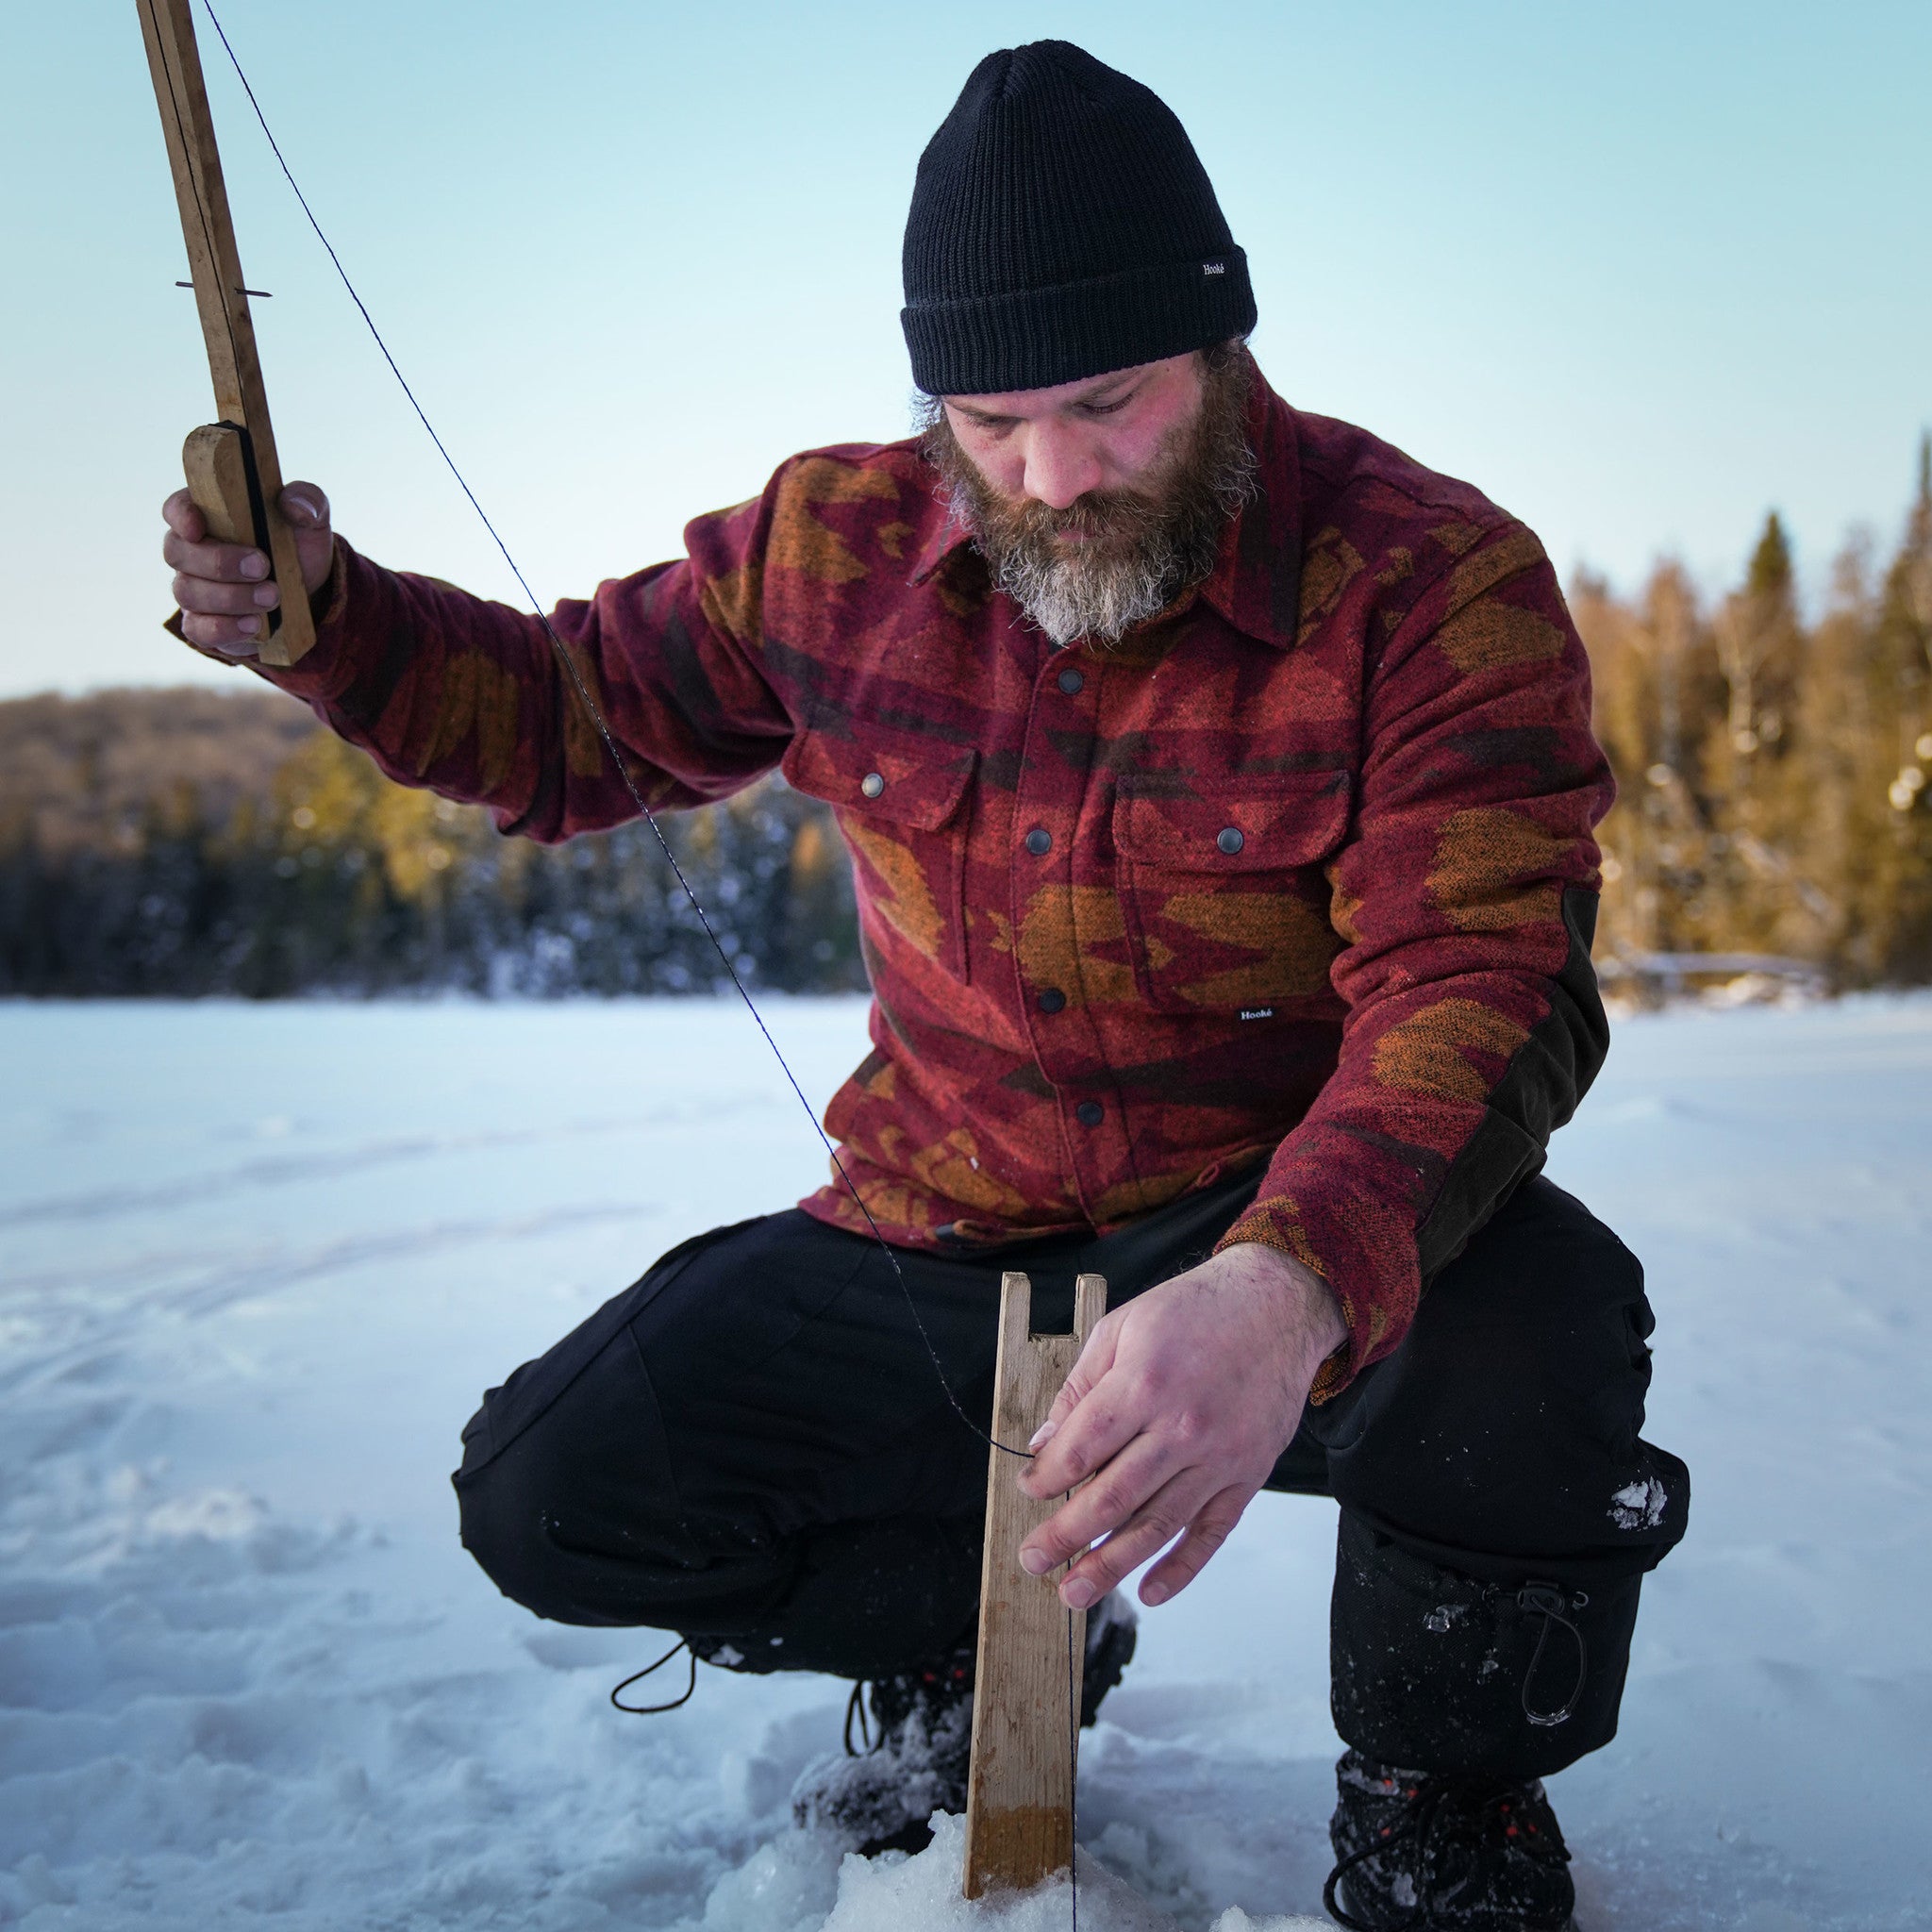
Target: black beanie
{"points": [[1063, 227]]}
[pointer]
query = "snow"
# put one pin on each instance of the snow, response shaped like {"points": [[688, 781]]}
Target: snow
{"points": [[895, 1893], [1639, 1505], [257, 1263]]}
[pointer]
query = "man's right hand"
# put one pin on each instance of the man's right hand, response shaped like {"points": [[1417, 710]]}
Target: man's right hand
{"points": [[225, 590]]}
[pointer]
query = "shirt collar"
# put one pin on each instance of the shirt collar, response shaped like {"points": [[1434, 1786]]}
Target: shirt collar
{"points": [[947, 535], [1256, 582]]}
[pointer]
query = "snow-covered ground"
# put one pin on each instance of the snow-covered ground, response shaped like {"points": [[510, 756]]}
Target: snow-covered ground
{"points": [[257, 1264]]}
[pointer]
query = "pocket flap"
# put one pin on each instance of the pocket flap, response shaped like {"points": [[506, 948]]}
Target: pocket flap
{"points": [[920, 788], [1245, 825]]}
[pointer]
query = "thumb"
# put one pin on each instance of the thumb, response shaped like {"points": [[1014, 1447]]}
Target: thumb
{"points": [[305, 506]]}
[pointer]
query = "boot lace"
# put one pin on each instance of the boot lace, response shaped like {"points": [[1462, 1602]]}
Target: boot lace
{"points": [[892, 1700]]}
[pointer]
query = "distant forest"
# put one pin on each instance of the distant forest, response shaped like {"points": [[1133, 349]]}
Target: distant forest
{"points": [[1771, 773], [1773, 801], [189, 841]]}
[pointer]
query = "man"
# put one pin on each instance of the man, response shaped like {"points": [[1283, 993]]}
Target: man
{"points": [[1219, 784]]}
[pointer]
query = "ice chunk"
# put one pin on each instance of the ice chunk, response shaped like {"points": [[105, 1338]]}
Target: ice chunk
{"points": [[922, 1895]]}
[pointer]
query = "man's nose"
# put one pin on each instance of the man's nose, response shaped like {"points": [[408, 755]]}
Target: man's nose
{"points": [[1059, 470]]}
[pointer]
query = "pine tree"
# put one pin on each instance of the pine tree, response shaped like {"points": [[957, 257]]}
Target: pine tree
{"points": [[1901, 931], [1773, 777]]}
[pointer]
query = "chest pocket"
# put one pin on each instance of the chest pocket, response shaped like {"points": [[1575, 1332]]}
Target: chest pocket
{"points": [[1226, 903], [904, 813]]}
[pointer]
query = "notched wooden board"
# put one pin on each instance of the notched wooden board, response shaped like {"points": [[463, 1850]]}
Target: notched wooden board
{"points": [[1020, 1801]]}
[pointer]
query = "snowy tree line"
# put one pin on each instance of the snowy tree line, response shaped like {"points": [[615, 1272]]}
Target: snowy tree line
{"points": [[189, 842]]}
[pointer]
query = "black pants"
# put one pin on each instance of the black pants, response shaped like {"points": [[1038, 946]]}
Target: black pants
{"points": [[751, 1446]]}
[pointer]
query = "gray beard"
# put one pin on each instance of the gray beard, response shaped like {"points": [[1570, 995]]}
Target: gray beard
{"points": [[1144, 549], [1099, 597]]}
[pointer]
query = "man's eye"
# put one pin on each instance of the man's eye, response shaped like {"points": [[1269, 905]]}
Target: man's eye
{"points": [[1112, 409]]}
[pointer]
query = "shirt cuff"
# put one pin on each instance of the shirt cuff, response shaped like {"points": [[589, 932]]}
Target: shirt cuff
{"points": [[1275, 1223]]}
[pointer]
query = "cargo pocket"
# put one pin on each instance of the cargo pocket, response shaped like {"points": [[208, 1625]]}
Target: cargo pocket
{"points": [[1226, 902], [902, 808]]}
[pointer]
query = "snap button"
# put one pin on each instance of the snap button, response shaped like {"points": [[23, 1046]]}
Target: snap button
{"points": [[1230, 839], [1072, 682], [1089, 1113], [1052, 1000], [875, 782], [1040, 841]]}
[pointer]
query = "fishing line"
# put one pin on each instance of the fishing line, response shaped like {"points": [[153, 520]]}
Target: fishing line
{"points": [[594, 712], [1074, 1699]]}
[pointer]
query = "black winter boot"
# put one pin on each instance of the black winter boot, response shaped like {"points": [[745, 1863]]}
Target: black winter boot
{"points": [[1417, 1853], [915, 1748]]}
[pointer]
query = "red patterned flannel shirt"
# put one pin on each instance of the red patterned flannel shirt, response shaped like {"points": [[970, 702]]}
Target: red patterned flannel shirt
{"points": [[1300, 875]]}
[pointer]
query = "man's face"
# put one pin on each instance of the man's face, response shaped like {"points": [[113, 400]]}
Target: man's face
{"points": [[1096, 503], [1057, 445]]}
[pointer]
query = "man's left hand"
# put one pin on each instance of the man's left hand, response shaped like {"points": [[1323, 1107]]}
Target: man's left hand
{"points": [[1176, 1409]]}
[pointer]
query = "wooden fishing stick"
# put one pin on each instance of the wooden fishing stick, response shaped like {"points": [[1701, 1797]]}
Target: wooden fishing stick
{"points": [[233, 473], [1032, 1648]]}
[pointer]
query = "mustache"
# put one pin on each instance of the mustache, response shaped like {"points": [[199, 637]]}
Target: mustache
{"points": [[1122, 516]]}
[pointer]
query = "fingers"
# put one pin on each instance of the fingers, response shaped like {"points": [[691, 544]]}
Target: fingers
{"points": [[1096, 1357], [1102, 1424], [202, 558], [1205, 1534], [227, 617], [209, 596], [232, 637], [231, 617], [1165, 1515], [1106, 1504], [182, 517], [224, 590], [1101, 1408]]}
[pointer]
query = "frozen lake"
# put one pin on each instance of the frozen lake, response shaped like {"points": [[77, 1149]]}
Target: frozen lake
{"points": [[258, 1263]]}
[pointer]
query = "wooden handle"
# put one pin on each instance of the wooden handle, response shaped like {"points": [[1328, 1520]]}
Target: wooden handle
{"points": [[216, 467], [217, 462], [227, 330], [1032, 1648]]}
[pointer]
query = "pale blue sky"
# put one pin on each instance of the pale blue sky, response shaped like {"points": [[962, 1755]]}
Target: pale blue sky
{"points": [[1640, 272]]}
